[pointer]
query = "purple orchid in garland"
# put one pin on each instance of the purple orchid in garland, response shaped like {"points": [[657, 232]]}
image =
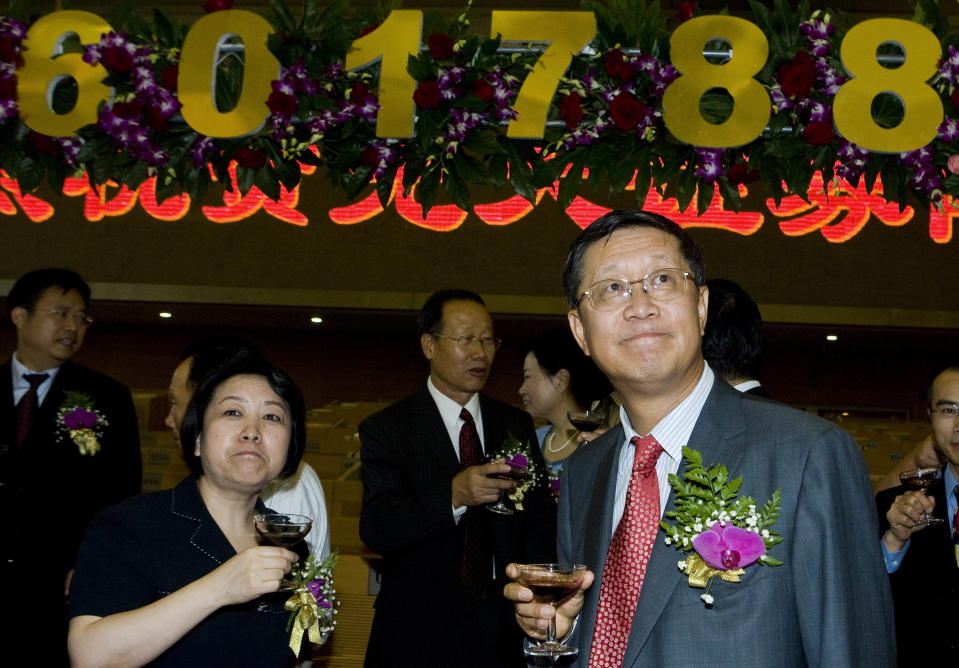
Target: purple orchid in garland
{"points": [[516, 454], [722, 533]]}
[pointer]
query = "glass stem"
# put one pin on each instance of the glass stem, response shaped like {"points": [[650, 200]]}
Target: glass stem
{"points": [[551, 628]]}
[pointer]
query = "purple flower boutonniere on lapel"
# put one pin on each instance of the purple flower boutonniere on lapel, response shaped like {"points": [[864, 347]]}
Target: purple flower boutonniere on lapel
{"points": [[723, 533], [80, 421]]}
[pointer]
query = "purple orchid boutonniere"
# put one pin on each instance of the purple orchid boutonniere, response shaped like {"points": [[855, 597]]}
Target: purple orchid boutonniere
{"points": [[312, 606], [517, 455], [78, 419], [723, 533]]}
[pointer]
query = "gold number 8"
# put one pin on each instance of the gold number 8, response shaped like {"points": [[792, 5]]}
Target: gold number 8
{"points": [[751, 104], [923, 110]]}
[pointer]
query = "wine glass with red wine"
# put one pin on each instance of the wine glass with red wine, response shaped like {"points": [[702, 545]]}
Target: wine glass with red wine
{"points": [[515, 474], [921, 479], [551, 583], [282, 529], [590, 419]]}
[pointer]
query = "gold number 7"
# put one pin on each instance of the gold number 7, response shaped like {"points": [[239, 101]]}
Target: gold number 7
{"points": [[567, 33]]}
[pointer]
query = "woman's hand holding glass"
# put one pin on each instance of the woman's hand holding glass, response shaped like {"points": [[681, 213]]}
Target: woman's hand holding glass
{"points": [[253, 572]]}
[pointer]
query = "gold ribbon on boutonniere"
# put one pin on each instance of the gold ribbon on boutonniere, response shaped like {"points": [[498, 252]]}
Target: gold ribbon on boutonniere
{"points": [[86, 441], [700, 573], [304, 605]]}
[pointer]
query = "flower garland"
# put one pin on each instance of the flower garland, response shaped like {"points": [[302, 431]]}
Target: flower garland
{"points": [[605, 124]]}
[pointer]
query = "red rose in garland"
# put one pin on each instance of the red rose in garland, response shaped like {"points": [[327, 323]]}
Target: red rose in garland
{"points": [[571, 110], [818, 134], [282, 104], [128, 110], [117, 58], [8, 49], [211, 6], [170, 76], [740, 173], [954, 98], [797, 77], [440, 45], [483, 89], [43, 143], [248, 157], [359, 92], [157, 120], [428, 95], [370, 157], [685, 11], [616, 65], [626, 111], [8, 88]]}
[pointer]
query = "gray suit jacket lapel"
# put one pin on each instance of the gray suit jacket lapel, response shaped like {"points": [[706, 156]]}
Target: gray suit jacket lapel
{"points": [[718, 435]]}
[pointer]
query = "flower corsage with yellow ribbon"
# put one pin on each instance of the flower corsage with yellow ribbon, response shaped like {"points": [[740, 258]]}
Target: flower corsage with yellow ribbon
{"points": [[517, 455], [312, 605], [722, 533], [79, 420]]}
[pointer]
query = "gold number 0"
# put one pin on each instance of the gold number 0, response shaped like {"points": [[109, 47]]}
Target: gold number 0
{"points": [[567, 33]]}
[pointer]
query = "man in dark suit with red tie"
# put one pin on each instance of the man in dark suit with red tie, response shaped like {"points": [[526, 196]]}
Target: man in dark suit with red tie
{"points": [[425, 488], [69, 447], [923, 560]]}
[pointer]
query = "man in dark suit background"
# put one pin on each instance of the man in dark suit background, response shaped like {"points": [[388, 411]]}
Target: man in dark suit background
{"points": [[923, 561], [424, 490], [733, 336], [53, 482], [634, 284]]}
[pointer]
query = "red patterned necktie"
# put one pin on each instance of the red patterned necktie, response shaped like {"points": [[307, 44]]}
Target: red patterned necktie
{"points": [[28, 404], [627, 558], [476, 568]]}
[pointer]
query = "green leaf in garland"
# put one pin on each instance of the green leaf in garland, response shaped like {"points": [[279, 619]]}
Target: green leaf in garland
{"points": [[520, 174]]}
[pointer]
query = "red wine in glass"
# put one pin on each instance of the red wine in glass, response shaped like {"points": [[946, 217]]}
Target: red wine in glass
{"points": [[589, 420], [551, 583], [282, 530], [922, 479], [515, 474]]}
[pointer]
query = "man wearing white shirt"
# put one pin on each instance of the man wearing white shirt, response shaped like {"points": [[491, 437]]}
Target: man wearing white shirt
{"points": [[425, 471], [634, 283], [923, 560]]}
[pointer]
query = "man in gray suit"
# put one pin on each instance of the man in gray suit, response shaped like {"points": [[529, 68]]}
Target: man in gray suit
{"points": [[634, 283]]}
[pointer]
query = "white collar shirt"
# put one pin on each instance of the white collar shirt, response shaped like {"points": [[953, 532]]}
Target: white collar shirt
{"points": [[21, 385], [672, 433]]}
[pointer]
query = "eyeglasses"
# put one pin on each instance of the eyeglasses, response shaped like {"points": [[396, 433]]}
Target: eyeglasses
{"points": [[466, 342], [948, 411], [614, 293], [62, 314]]}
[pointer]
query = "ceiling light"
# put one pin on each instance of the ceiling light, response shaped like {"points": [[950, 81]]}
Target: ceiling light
{"points": [[165, 314], [832, 337], [316, 320]]}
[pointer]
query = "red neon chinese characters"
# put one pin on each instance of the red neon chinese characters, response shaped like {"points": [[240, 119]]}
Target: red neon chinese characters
{"points": [[237, 207], [824, 208], [440, 218], [940, 222], [35, 208], [96, 200], [172, 208]]}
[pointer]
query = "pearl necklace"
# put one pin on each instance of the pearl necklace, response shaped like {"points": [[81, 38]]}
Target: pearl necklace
{"points": [[549, 442]]}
